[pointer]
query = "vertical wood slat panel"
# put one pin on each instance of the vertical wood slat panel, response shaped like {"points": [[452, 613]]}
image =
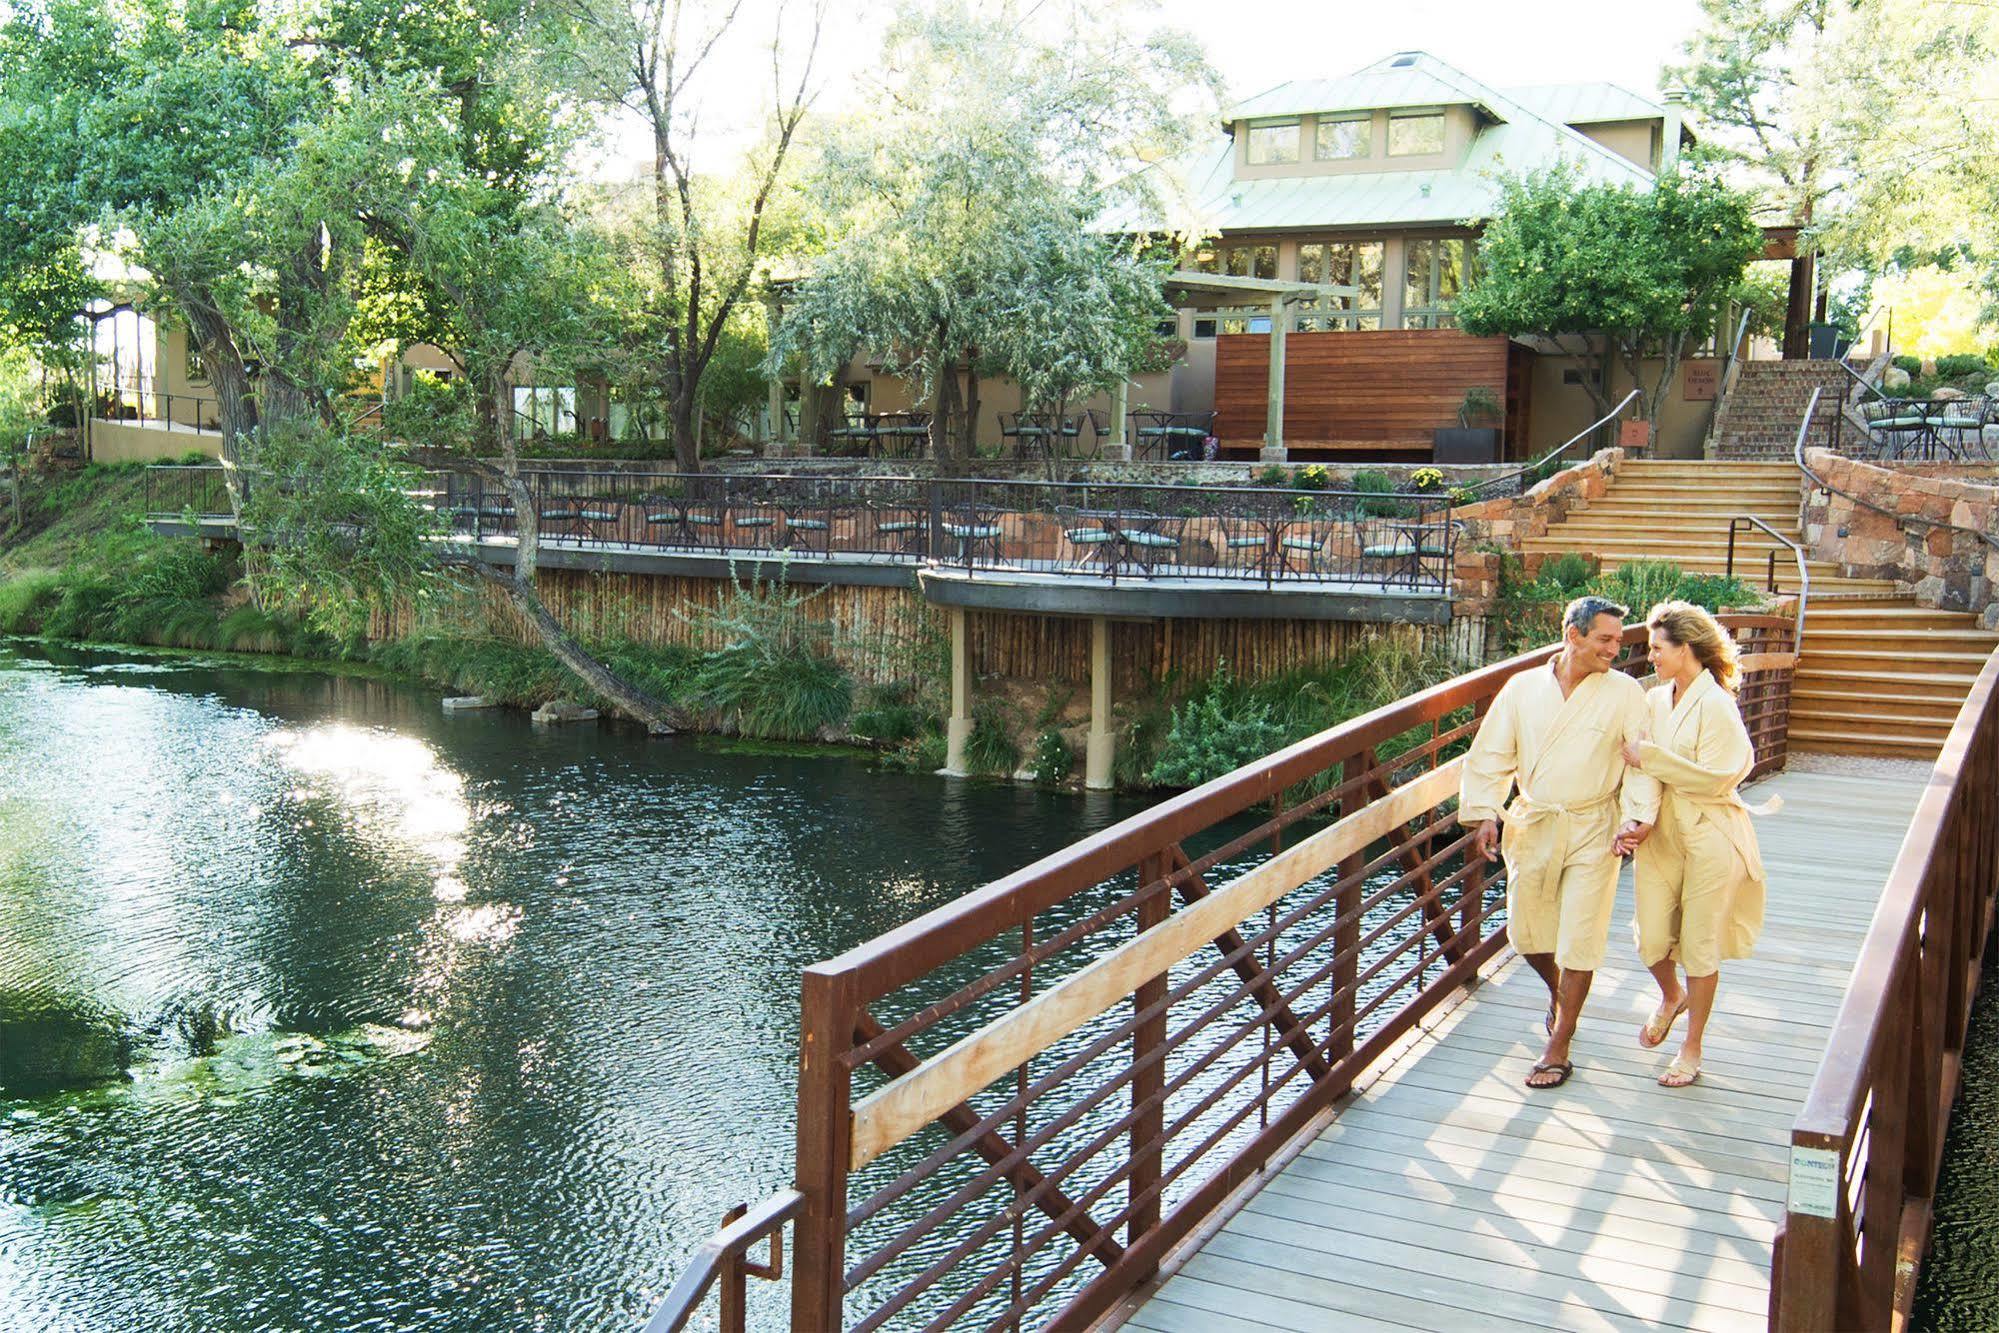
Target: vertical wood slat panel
{"points": [[884, 634], [1392, 385]]}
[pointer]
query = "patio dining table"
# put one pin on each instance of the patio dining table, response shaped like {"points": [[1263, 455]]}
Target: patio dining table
{"points": [[900, 434], [1929, 429], [1122, 541], [1171, 436]]}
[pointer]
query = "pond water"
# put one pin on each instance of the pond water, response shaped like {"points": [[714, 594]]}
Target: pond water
{"points": [[432, 1022]]}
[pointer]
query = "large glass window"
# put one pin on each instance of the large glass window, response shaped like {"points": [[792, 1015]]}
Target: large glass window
{"points": [[1250, 261], [1273, 143], [1340, 138], [1354, 264], [1433, 274], [1415, 134], [544, 409]]}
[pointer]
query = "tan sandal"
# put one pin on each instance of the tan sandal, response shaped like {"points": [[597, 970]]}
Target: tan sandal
{"points": [[1680, 1074], [1655, 1032]]}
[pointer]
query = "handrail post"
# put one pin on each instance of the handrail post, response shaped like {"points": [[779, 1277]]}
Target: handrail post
{"points": [[733, 1298], [1728, 570], [825, 1146]]}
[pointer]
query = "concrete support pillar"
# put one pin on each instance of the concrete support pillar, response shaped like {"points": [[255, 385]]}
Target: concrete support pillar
{"points": [[1273, 411], [1101, 746], [958, 730], [1118, 448]]}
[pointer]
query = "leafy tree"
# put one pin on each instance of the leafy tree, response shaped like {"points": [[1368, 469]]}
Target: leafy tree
{"points": [[694, 245], [1648, 270], [964, 238]]}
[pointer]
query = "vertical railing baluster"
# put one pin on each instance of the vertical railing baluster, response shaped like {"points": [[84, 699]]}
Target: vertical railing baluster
{"points": [[1148, 1126]]}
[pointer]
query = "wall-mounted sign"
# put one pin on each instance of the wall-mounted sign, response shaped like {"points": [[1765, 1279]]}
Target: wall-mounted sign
{"points": [[1701, 380], [1634, 434]]}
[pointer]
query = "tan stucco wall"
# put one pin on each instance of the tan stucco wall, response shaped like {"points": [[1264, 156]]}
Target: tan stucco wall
{"points": [[1634, 140], [1560, 410], [123, 442]]}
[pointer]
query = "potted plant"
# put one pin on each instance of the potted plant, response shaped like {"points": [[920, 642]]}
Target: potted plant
{"points": [[1475, 439]]}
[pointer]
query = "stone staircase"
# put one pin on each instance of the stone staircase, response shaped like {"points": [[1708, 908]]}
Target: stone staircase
{"points": [[1881, 674], [1759, 417]]}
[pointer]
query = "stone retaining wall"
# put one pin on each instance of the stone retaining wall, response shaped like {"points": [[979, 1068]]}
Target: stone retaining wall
{"points": [[1941, 566], [1496, 528]]}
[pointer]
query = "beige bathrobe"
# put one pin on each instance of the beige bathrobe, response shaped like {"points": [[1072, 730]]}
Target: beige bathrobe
{"points": [[1566, 757], [1700, 882]]}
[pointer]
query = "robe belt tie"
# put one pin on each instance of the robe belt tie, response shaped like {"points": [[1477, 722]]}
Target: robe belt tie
{"points": [[1526, 812]]}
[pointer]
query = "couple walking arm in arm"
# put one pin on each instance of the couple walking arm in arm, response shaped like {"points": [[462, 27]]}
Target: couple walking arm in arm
{"points": [[1563, 762]]}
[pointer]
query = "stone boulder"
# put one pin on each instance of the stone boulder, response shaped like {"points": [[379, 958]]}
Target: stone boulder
{"points": [[1895, 378], [557, 710]]}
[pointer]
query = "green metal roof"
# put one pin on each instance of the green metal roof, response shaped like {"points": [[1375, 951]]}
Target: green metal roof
{"points": [[1514, 138], [1385, 84], [1585, 103]]}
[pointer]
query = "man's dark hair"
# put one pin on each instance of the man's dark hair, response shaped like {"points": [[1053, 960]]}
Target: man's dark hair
{"points": [[1581, 614]]}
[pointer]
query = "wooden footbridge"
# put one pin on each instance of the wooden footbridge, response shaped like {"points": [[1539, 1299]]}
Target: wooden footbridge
{"points": [[1252, 1060]]}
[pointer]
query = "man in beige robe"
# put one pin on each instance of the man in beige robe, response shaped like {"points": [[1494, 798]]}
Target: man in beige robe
{"points": [[1557, 734]]}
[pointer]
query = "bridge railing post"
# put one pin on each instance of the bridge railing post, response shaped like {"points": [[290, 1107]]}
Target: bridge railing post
{"points": [[825, 1147], [1148, 1127]]}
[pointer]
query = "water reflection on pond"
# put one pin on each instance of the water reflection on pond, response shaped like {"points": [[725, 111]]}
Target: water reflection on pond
{"points": [[431, 1022]]}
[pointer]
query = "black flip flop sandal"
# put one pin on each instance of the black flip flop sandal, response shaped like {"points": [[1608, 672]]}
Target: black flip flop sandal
{"points": [[1562, 1067]]}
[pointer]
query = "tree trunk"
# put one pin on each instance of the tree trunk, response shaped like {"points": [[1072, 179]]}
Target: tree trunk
{"points": [[660, 718], [236, 403], [942, 437], [686, 449], [970, 439]]}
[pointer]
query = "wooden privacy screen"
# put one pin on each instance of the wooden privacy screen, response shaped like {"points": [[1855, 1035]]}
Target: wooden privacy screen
{"points": [[1393, 386]]}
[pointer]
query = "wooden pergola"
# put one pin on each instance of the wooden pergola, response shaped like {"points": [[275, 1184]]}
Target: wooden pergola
{"points": [[1185, 289]]}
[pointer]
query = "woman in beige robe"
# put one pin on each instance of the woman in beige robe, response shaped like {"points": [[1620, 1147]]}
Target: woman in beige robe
{"points": [[1700, 882]]}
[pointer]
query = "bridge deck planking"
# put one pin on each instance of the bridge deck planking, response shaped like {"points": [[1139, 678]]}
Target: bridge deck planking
{"points": [[1445, 1195]]}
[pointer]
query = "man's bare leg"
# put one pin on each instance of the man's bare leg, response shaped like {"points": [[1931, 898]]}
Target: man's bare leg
{"points": [[1544, 967], [1574, 990]]}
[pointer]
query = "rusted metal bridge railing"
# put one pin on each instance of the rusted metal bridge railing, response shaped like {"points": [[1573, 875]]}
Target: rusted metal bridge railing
{"points": [[1867, 1147], [1011, 1108]]}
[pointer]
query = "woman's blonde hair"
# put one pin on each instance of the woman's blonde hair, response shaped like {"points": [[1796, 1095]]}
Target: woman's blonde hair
{"points": [[1694, 627]]}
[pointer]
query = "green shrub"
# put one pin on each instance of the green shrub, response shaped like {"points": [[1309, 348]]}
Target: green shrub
{"points": [[1052, 758], [1272, 475], [1313, 478], [664, 671], [1961, 364], [888, 715], [1375, 489], [990, 747], [774, 694], [83, 610], [25, 598], [1912, 364], [1570, 571], [1221, 727]]}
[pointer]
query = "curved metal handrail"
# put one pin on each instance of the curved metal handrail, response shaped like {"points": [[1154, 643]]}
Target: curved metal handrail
{"points": [[1820, 483], [1558, 450], [721, 1256], [1797, 554]]}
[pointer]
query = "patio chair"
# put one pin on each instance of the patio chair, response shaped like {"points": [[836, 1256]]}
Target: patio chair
{"points": [[1963, 422], [808, 525], [1246, 544], [1148, 538], [975, 528], [1093, 535]]}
